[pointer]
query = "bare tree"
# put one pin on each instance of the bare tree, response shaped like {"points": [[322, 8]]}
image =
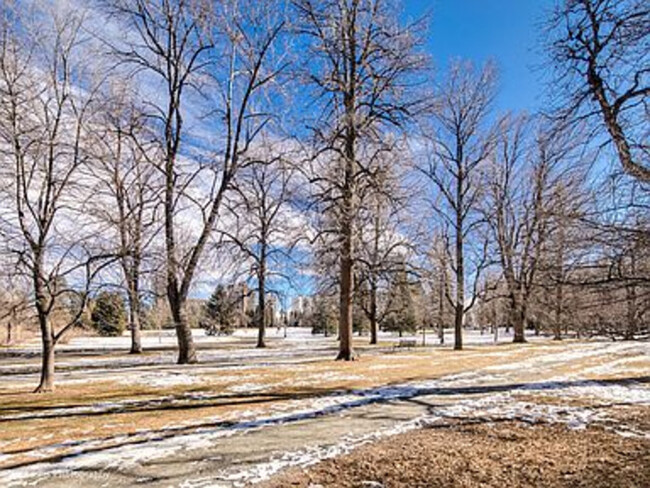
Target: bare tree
{"points": [[262, 231], [127, 194], [523, 184], [361, 65], [220, 51], [459, 143], [382, 238], [600, 50], [44, 117]]}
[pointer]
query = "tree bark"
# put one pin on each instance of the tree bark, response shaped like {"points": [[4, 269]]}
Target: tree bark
{"points": [[559, 287], [346, 352], [46, 383], [373, 313], [134, 316], [460, 259], [631, 298], [441, 304], [631, 328], [186, 349], [136, 337], [518, 324], [559, 297], [261, 307]]}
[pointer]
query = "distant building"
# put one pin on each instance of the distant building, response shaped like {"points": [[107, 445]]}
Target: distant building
{"points": [[302, 306]]}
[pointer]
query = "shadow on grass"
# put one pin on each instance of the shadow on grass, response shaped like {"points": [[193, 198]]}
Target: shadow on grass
{"points": [[197, 399]]}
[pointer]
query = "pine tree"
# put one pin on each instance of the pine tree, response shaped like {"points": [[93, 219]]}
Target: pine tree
{"points": [[402, 315], [109, 315], [324, 318], [220, 312]]}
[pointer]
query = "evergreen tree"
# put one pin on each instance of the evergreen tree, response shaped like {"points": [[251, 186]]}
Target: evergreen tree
{"points": [[324, 318], [220, 312], [109, 315], [402, 316]]}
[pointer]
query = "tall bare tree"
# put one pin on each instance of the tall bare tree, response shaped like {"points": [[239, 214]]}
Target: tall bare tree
{"points": [[220, 51], [361, 66], [48, 88], [127, 194], [259, 208], [523, 183], [381, 239], [459, 144]]}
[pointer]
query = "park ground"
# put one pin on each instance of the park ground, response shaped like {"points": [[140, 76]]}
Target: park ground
{"points": [[545, 413]]}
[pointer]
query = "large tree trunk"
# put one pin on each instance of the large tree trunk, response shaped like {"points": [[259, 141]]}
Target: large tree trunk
{"points": [[559, 287], [46, 383], [136, 337], [458, 327], [519, 324], [186, 349], [346, 352]]}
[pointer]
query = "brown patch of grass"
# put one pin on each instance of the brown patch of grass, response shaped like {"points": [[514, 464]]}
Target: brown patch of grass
{"points": [[493, 455]]}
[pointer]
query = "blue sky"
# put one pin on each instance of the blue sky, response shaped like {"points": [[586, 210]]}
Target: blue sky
{"points": [[507, 31]]}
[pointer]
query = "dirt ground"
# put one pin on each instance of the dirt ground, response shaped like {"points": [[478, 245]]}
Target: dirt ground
{"points": [[498, 454]]}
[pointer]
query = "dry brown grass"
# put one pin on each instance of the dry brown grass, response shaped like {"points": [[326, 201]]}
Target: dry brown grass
{"points": [[488, 456]]}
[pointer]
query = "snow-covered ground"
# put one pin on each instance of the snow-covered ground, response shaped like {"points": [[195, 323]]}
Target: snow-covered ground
{"points": [[301, 337]]}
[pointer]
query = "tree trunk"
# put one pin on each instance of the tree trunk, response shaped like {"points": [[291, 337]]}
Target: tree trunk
{"points": [[136, 339], [373, 314], [441, 308], [186, 349], [557, 329], [261, 306], [46, 383], [559, 289], [631, 329], [519, 323], [134, 318], [458, 327], [460, 258], [346, 352]]}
